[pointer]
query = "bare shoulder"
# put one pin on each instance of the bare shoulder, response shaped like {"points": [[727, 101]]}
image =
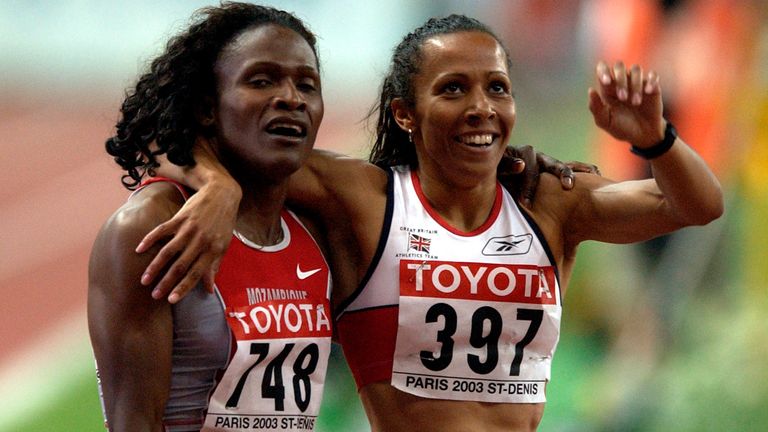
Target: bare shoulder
{"points": [[342, 173], [552, 200], [556, 209], [330, 183], [551, 197], [113, 262]]}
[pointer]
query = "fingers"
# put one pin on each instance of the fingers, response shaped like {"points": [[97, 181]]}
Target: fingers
{"points": [[627, 102], [566, 177], [530, 176], [636, 85], [599, 110], [614, 82], [556, 167], [204, 267], [166, 254], [178, 271], [160, 231], [625, 85], [510, 164], [583, 167], [620, 79], [209, 279], [652, 83], [604, 74], [518, 166], [191, 278], [199, 259]]}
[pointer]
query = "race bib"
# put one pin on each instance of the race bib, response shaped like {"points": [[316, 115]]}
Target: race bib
{"points": [[275, 379], [476, 331]]}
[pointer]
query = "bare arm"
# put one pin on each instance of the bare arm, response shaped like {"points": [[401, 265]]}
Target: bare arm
{"points": [[199, 238], [520, 168], [131, 334], [329, 180], [333, 186], [347, 197], [683, 191], [329, 185]]}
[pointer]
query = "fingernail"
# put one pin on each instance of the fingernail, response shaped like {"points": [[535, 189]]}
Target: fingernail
{"points": [[173, 298], [155, 293], [145, 279], [568, 182], [622, 93], [527, 202], [636, 100], [140, 247], [605, 79]]}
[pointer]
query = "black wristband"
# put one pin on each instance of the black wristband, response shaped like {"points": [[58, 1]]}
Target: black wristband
{"points": [[658, 149]]}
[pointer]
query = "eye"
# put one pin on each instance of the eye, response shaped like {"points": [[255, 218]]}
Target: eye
{"points": [[259, 82], [307, 86], [499, 87], [452, 88]]}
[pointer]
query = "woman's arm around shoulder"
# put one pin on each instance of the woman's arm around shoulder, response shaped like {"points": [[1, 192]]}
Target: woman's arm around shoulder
{"points": [[336, 185], [131, 333]]}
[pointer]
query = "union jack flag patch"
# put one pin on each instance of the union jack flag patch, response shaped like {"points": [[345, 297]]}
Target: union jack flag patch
{"points": [[419, 243]]}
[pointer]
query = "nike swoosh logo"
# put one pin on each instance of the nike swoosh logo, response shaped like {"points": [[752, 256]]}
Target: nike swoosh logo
{"points": [[305, 274]]}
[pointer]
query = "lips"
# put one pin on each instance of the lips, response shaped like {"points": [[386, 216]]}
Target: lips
{"points": [[287, 128], [481, 139]]}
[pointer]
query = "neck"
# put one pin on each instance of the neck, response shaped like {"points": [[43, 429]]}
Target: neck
{"points": [[464, 207], [258, 218]]}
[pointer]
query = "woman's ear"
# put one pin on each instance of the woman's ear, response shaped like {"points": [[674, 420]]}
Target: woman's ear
{"points": [[403, 114], [205, 113]]}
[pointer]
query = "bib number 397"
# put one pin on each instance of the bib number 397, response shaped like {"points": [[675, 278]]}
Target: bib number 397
{"points": [[485, 331]]}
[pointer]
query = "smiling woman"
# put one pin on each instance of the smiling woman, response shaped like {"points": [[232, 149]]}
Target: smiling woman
{"points": [[469, 111]]}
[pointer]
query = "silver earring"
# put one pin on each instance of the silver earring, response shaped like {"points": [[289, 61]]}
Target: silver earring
{"points": [[410, 135]]}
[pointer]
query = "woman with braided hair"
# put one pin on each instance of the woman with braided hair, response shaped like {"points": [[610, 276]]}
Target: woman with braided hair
{"points": [[452, 290]]}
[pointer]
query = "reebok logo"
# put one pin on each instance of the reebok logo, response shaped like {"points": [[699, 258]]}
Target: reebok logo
{"points": [[508, 245], [305, 274]]}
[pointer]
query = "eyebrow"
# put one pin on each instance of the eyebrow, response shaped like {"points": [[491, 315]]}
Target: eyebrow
{"points": [[269, 66], [450, 75]]}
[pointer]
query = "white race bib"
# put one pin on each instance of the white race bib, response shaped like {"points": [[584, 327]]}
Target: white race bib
{"points": [[275, 379], [476, 331]]}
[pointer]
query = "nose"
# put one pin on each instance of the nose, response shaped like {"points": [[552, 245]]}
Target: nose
{"points": [[288, 97], [480, 107]]}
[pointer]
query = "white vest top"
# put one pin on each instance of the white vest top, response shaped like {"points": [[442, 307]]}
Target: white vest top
{"points": [[479, 312]]}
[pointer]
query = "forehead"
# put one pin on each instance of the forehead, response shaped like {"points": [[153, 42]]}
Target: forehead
{"points": [[267, 44], [462, 51]]}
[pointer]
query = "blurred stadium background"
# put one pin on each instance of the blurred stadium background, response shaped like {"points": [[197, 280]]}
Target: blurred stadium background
{"points": [[667, 335]]}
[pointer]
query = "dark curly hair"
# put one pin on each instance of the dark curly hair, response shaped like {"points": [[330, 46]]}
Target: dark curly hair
{"points": [[162, 107], [392, 146]]}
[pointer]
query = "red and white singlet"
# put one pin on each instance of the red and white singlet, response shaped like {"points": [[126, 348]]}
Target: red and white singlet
{"points": [[254, 357], [451, 315], [277, 305]]}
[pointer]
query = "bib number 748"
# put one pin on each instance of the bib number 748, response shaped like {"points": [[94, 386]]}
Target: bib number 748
{"points": [[478, 338], [272, 386]]}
